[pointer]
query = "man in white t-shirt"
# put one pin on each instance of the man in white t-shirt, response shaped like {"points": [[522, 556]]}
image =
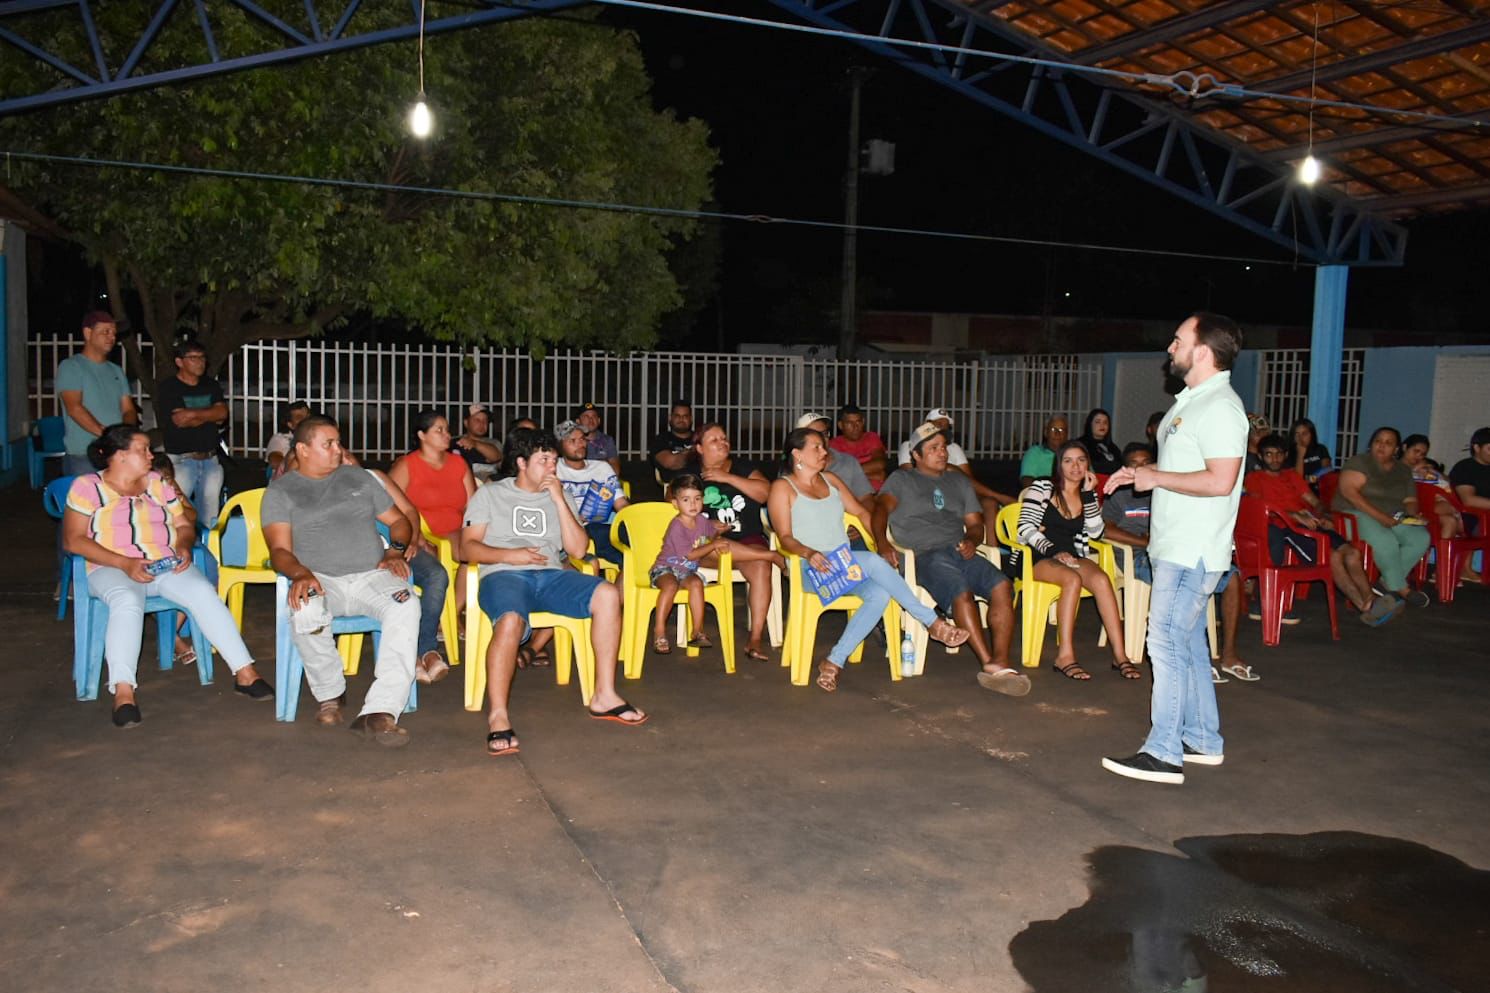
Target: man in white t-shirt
{"points": [[592, 485], [990, 499], [1197, 487]]}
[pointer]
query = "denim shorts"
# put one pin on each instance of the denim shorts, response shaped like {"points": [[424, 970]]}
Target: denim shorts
{"points": [[527, 591], [946, 575]]}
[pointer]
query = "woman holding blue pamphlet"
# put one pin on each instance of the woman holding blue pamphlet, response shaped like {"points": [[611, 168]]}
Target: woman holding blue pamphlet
{"points": [[128, 524], [807, 506]]}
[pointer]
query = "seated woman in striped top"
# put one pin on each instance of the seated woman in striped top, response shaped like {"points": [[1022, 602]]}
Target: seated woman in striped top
{"points": [[1057, 519]]}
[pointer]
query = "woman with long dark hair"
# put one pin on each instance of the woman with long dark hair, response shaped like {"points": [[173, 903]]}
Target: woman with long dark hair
{"points": [[1307, 456], [439, 486], [1057, 520], [1106, 457]]}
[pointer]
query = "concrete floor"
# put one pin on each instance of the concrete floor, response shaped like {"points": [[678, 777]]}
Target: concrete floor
{"points": [[922, 835]]}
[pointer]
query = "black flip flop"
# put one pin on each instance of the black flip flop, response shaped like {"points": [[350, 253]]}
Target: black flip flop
{"points": [[505, 737], [614, 714]]}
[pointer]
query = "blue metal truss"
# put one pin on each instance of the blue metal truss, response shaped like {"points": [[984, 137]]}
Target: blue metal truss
{"points": [[1143, 137], [333, 28]]}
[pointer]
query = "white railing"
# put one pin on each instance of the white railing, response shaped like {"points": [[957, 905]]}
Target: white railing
{"points": [[999, 404], [1283, 393]]}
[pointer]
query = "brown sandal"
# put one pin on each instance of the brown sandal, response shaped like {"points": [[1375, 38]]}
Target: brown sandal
{"points": [[827, 676], [756, 654], [662, 646], [700, 641], [947, 633]]}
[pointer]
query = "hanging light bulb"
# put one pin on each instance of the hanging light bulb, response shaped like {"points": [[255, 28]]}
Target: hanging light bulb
{"points": [[421, 121], [1309, 170]]}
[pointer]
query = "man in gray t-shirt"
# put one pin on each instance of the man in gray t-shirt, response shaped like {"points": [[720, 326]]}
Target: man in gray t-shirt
{"points": [[319, 523], [935, 513], [520, 533]]}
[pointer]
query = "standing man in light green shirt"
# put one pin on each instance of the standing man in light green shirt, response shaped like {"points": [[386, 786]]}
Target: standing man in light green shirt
{"points": [[93, 391], [1197, 487]]}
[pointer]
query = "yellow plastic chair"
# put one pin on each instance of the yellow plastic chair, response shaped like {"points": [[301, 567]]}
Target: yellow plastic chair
{"points": [[450, 613], [645, 524], [1037, 599], [920, 638], [1134, 596], [572, 646], [804, 610], [231, 578]]}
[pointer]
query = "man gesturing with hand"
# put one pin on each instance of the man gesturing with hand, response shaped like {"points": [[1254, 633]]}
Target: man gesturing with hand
{"points": [[1197, 487]]}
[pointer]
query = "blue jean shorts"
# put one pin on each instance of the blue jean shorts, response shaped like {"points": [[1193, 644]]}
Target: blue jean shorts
{"points": [[527, 591], [946, 575]]}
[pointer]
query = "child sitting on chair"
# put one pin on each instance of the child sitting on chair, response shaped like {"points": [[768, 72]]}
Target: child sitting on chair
{"points": [[689, 538]]}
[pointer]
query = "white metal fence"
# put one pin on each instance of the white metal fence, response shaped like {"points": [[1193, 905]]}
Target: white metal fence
{"points": [[999, 404], [1283, 393]]}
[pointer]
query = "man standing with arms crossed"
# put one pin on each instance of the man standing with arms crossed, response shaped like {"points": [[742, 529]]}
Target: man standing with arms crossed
{"points": [[1197, 487], [191, 409]]}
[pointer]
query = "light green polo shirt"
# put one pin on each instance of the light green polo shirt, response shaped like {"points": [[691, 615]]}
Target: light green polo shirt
{"points": [[1206, 422]]}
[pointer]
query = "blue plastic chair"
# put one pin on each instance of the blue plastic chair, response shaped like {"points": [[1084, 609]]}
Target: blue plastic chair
{"points": [[46, 443], [91, 619], [289, 667], [54, 499]]}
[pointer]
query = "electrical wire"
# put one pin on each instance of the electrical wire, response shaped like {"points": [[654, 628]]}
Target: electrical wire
{"points": [[1196, 86], [626, 208]]}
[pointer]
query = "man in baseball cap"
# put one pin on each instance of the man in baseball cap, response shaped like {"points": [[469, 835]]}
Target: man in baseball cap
{"points": [[990, 499], [599, 445]]}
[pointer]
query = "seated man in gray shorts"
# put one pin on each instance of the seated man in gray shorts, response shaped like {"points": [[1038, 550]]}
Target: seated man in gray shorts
{"points": [[320, 525], [935, 513], [519, 531]]}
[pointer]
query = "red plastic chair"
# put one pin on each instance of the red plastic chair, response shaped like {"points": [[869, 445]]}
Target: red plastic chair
{"points": [[1275, 583], [1451, 553], [1329, 485]]}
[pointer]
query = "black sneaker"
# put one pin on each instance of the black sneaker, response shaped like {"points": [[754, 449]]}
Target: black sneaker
{"points": [[1201, 758], [1144, 766], [127, 715]]}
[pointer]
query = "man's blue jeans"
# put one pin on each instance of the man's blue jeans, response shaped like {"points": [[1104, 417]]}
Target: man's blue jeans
{"points": [[201, 483], [1183, 708]]}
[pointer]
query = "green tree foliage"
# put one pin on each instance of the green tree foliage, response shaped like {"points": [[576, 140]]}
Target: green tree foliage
{"points": [[535, 108]]}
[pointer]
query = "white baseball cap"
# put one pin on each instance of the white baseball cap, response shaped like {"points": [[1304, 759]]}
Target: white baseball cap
{"points": [[812, 417], [938, 414]]}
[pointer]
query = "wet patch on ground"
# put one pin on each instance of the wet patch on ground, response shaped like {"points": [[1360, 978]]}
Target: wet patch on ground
{"points": [[1317, 913]]}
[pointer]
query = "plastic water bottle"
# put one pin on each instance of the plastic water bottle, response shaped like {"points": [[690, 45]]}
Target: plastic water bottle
{"points": [[907, 655]]}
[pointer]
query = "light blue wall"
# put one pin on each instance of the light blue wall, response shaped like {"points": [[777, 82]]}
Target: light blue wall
{"points": [[1397, 390]]}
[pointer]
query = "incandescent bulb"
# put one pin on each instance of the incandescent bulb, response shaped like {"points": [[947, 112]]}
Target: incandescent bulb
{"points": [[1309, 170], [421, 120]]}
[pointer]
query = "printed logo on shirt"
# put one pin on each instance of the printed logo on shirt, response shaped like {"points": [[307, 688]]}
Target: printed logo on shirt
{"points": [[401, 596], [937, 500], [1137, 512], [530, 521], [1175, 426]]}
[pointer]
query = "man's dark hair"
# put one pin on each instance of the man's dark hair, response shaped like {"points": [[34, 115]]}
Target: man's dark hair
{"points": [[187, 346], [1220, 334], [523, 442], [1275, 441], [306, 428], [1136, 446], [680, 402], [290, 410], [850, 408]]}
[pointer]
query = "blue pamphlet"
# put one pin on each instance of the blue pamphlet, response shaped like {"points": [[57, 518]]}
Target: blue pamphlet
{"points": [[597, 503], [843, 574]]}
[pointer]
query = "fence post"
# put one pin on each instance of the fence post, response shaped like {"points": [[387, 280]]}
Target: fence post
{"points": [[970, 437]]}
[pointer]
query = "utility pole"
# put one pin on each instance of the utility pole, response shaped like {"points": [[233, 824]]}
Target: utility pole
{"points": [[847, 311]]}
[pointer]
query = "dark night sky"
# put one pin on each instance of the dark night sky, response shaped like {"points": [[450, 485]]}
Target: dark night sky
{"points": [[777, 107]]}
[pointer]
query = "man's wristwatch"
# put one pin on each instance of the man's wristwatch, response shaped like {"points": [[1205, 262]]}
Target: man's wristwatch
{"points": [[397, 546]]}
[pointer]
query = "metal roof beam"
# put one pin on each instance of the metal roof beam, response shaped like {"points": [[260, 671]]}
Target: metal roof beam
{"points": [[1120, 127], [1363, 139], [1175, 27], [1434, 198], [294, 44], [1390, 56]]}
